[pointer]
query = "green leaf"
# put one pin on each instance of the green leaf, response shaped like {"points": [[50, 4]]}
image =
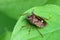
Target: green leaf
{"points": [[56, 2], [14, 8], [7, 35], [51, 12], [6, 24], [54, 35]]}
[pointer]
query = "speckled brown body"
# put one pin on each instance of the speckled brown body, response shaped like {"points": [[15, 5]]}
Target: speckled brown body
{"points": [[36, 20]]}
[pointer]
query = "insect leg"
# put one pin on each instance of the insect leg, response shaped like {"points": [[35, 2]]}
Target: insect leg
{"points": [[25, 26], [29, 30], [39, 32], [22, 27]]}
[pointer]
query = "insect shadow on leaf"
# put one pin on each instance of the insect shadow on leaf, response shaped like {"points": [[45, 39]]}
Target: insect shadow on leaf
{"points": [[37, 21]]}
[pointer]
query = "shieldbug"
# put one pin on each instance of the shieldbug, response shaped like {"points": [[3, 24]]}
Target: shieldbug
{"points": [[38, 21]]}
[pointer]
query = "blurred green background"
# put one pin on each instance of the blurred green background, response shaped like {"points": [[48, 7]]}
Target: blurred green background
{"points": [[10, 11]]}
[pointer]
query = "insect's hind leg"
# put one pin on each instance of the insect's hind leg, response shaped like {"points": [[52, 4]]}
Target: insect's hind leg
{"points": [[39, 31], [29, 30]]}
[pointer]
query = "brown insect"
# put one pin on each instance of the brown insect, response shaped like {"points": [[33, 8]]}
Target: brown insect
{"points": [[36, 20]]}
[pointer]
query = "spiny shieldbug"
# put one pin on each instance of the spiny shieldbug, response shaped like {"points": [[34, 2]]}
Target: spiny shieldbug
{"points": [[36, 20]]}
